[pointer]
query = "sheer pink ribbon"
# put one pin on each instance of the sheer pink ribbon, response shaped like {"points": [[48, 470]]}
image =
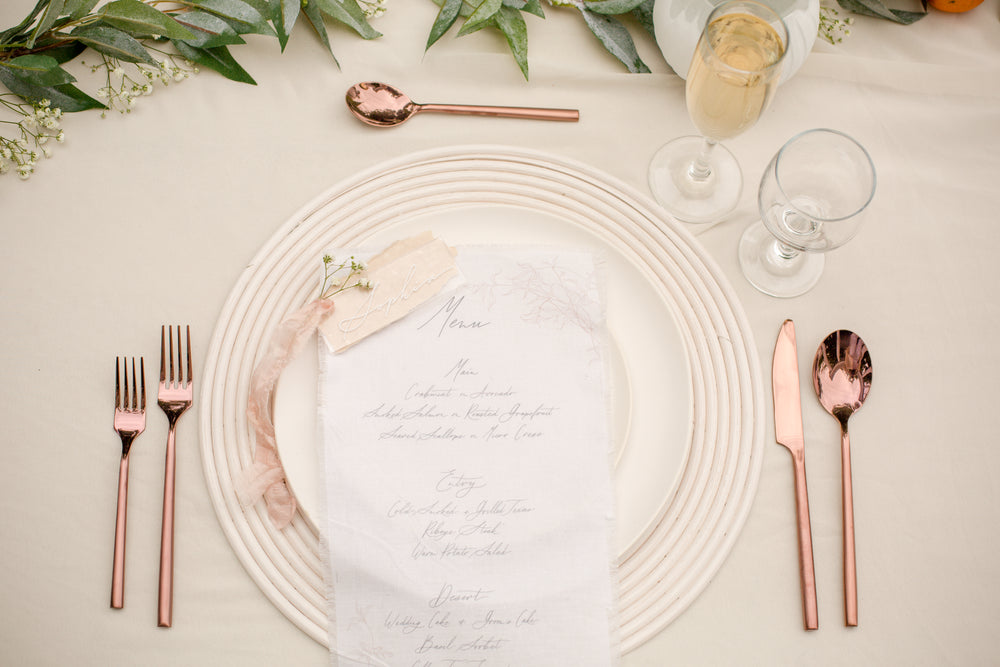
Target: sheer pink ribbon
{"points": [[266, 477]]}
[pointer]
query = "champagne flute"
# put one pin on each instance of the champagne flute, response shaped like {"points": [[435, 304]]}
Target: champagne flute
{"points": [[732, 78], [812, 198]]}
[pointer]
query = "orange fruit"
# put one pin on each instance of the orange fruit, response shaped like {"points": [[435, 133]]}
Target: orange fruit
{"points": [[954, 6]]}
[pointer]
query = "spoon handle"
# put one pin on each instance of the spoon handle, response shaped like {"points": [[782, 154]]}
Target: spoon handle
{"points": [[850, 564], [564, 115]]}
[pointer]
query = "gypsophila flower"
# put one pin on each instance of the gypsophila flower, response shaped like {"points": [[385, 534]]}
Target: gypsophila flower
{"points": [[372, 8], [126, 82], [334, 283], [34, 126], [832, 28]]}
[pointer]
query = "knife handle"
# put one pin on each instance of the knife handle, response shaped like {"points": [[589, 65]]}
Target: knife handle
{"points": [[807, 570]]}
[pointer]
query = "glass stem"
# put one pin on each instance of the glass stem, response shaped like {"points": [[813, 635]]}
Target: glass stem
{"points": [[781, 254], [701, 170]]}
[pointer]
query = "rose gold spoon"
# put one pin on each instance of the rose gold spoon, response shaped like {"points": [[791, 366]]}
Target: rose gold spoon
{"points": [[842, 377], [382, 105]]}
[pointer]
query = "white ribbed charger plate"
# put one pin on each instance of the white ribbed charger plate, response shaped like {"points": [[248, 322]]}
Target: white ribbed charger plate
{"points": [[687, 540]]}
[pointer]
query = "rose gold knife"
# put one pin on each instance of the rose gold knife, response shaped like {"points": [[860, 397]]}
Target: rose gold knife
{"points": [[788, 432]]}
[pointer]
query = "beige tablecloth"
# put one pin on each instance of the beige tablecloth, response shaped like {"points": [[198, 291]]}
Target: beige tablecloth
{"points": [[193, 182]]}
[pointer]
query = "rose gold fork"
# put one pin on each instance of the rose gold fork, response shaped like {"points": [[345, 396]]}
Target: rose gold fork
{"points": [[130, 421], [174, 397]]}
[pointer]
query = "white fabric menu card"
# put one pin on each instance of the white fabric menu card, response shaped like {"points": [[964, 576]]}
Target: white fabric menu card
{"points": [[466, 455]]}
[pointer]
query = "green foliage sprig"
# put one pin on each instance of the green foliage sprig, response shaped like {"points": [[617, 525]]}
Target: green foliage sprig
{"points": [[507, 17], [56, 31], [877, 9], [141, 42], [137, 42]]}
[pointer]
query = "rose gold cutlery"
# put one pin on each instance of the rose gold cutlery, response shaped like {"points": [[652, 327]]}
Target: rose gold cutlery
{"points": [[788, 432], [130, 421], [382, 105], [174, 397], [842, 377]]}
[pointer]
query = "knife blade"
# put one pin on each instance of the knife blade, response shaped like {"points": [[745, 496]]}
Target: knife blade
{"points": [[788, 432]]}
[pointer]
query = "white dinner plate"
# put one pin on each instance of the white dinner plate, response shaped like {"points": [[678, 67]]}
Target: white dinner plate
{"points": [[689, 389]]}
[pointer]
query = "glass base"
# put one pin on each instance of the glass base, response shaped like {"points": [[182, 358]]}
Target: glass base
{"points": [[773, 272], [688, 199]]}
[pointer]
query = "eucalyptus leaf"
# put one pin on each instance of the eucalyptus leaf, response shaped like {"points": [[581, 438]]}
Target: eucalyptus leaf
{"points": [[67, 97], [52, 11], [7, 35], [217, 58], [77, 9], [284, 14], [612, 6], [445, 19], [876, 9], [208, 30], [41, 70], [616, 39], [241, 15], [534, 7], [66, 52], [511, 24], [113, 42], [643, 13], [139, 20], [530, 6], [348, 13], [481, 17], [263, 7], [315, 17]]}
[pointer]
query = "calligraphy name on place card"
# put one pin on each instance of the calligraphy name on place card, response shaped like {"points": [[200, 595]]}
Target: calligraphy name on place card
{"points": [[402, 278]]}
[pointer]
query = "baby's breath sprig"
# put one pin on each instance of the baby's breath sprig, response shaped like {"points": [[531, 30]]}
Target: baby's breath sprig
{"points": [[832, 28], [372, 8], [126, 82], [334, 284], [37, 126]]}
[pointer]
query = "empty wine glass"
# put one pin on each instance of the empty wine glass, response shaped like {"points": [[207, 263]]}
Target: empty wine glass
{"points": [[812, 198], [731, 80]]}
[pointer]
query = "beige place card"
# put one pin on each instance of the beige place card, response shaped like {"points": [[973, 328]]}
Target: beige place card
{"points": [[403, 276]]}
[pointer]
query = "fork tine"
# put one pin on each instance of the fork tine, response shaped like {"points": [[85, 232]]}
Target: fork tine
{"points": [[118, 390], [190, 374], [170, 338], [163, 354], [142, 374], [135, 389], [125, 382]]}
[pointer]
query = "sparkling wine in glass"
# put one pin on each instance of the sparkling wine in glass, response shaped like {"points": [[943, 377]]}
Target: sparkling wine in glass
{"points": [[732, 78], [812, 199]]}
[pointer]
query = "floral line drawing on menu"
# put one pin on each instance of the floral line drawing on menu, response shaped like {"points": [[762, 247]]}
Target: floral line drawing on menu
{"points": [[373, 656], [553, 294]]}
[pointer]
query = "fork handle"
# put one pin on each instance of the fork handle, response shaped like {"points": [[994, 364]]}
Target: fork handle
{"points": [[118, 567], [165, 608]]}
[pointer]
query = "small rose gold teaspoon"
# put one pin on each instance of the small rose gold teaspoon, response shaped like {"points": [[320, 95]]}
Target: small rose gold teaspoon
{"points": [[842, 377], [382, 105]]}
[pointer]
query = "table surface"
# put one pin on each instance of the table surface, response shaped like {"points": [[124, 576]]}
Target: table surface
{"points": [[149, 218]]}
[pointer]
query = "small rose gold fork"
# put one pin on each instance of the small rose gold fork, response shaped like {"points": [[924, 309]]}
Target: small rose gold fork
{"points": [[174, 397], [130, 421]]}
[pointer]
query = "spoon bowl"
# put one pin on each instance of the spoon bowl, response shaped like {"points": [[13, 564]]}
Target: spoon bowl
{"points": [[379, 104], [842, 378], [382, 105], [842, 374]]}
